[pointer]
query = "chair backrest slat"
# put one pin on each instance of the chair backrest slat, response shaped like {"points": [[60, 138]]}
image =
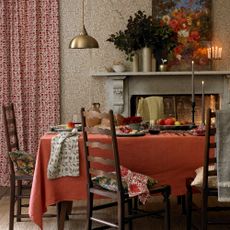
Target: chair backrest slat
{"points": [[101, 160], [97, 172], [97, 130], [97, 144]]}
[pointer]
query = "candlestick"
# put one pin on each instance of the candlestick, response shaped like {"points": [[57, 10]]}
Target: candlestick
{"points": [[203, 103], [193, 96], [193, 82]]}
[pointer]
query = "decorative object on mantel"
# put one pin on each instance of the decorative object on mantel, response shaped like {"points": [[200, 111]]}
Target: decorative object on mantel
{"points": [[141, 33], [83, 40], [191, 20], [118, 67], [163, 66]]}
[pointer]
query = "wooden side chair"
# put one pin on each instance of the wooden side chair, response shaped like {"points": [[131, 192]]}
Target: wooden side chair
{"points": [[205, 182], [104, 177], [21, 168]]}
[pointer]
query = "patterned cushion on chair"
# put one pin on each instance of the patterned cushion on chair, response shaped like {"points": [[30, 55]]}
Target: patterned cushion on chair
{"points": [[111, 184], [23, 162]]}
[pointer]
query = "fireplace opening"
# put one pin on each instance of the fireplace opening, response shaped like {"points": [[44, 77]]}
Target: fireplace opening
{"points": [[179, 106]]}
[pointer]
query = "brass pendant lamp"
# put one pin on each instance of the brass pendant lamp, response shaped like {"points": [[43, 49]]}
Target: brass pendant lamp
{"points": [[83, 40]]}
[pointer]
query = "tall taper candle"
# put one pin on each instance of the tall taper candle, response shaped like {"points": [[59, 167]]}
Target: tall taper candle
{"points": [[193, 90], [203, 103]]}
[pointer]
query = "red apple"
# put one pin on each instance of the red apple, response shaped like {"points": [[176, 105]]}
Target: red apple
{"points": [[160, 122], [169, 121]]}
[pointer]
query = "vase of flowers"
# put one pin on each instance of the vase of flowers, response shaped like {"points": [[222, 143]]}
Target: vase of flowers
{"points": [[142, 32]]}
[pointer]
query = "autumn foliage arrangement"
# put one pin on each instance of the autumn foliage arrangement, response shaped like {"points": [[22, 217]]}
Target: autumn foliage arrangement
{"points": [[132, 120]]}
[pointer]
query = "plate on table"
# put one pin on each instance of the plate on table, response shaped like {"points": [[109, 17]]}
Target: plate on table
{"points": [[176, 127], [60, 128], [138, 134]]}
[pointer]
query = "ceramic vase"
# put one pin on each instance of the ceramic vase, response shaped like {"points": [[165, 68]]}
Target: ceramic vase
{"points": [[147, 59], [135, 63]]}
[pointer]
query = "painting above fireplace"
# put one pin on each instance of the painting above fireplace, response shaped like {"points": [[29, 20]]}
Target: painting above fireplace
{"points": [[191, 20]]}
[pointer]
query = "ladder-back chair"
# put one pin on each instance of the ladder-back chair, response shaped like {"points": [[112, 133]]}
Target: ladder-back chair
{"points": [[208, 186], [102, 161]]}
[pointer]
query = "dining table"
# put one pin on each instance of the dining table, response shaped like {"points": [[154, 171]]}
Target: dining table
{"points": [[169, 158]]}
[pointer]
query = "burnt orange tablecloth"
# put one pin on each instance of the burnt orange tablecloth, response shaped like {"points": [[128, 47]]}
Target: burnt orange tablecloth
{"points": [[168, 158]]}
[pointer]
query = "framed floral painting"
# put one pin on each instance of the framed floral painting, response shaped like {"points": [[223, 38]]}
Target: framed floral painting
{"points": [[191, 20]]}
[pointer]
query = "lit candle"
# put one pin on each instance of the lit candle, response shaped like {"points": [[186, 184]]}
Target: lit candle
{"points": [[209, 53], [219, 52], [203, 103], [193, 91]]}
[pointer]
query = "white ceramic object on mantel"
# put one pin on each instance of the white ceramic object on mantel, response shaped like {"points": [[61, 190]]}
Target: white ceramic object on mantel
{"points": [[118, 68], [147, 59]]}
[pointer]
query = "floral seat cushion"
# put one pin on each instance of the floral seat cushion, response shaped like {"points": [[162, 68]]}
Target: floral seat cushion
{"points": [[23, 162], [135, 184]]}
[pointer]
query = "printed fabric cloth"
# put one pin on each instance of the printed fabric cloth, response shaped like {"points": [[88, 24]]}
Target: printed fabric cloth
{"points": [[64, 156], [137, 184], [223, 154]]}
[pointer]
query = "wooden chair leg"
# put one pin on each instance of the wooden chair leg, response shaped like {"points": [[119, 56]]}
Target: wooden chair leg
{"points": [[12, 202], [89, 211], [166, 195], [189, 207], [121, 213], [19, 200], [130, 206], [204, 215]]}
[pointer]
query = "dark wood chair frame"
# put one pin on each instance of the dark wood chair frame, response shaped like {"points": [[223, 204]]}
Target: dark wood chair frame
{"points": [[205, 191], [95, 167], [19, 185]]}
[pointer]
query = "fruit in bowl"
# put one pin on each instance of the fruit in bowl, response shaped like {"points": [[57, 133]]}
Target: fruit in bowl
{"points": [[70, 125], [170, 121]]}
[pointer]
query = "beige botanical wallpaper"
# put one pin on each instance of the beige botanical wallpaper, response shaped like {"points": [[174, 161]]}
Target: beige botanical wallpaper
{"points": [[103, 17]]}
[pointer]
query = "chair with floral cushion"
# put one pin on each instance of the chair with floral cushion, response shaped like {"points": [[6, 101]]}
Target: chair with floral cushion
{"points": [[205, 183], [107, 178], [21, 166]]}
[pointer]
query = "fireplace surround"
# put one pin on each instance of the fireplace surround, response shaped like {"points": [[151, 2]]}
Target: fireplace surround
{"points": [[121, 87]]}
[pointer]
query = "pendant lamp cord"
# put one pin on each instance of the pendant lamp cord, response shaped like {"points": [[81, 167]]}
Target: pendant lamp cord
{"points": [[83, 12]]}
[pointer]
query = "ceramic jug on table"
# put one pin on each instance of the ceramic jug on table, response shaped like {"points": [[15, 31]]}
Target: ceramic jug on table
{"points": [[92, 119]]}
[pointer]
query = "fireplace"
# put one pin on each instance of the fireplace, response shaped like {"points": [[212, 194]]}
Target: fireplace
{"points": [[124, 88], [179, 106]]}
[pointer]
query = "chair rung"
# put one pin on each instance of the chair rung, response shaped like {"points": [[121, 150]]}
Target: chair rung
{"points": [[22, 216], [22, 196], [104, 222]]}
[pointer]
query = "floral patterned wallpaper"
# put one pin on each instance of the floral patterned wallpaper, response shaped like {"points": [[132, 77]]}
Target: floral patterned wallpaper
{"points": [[103, 17]]}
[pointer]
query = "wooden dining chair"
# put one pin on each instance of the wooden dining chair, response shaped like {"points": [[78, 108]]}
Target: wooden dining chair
{"points": [[205, 182], [21, 166], [104, 177]]}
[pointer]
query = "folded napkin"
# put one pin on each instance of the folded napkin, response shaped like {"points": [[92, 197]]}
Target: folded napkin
{"points": [[223, 154], [64, 156]]}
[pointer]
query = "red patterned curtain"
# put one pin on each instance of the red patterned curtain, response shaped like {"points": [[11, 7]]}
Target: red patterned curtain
{"points": [[29, 70]]}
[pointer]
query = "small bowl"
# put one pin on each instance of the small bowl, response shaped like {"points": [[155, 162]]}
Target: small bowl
{"points": [[154, 131], [119, 68]]}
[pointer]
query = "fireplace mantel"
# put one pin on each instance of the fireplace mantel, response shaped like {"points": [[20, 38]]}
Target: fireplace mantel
{"points": [[121, 86], [174, 73]]}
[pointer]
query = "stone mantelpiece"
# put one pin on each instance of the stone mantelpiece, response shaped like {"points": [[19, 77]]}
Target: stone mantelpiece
{"points": [[121, 86]]}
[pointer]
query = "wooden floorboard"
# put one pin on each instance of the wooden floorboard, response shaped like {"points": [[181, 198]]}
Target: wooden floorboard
{"points": [[77, 219]]}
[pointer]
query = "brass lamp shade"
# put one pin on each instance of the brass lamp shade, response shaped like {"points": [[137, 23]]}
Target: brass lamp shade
{"points": [[83, 41]]}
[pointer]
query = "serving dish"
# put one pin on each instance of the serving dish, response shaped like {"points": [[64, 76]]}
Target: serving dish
{"points": [[138, 134], [177, 127]]}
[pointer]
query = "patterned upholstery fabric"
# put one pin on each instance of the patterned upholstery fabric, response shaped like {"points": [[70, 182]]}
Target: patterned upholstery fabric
{"points": [[23, 163]]}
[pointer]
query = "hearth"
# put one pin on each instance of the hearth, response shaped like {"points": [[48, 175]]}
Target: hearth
{"points": [[179, 106]]}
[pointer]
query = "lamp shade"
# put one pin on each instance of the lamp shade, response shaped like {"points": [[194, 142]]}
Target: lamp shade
{"points": [[83, 41]]}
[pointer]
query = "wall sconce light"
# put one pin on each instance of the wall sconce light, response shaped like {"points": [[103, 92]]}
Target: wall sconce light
{"points": [[83, 40]]}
